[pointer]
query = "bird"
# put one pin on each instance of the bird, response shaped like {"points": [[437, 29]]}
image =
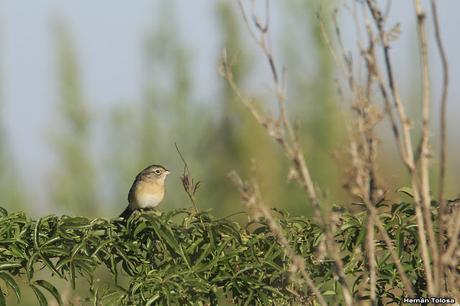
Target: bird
{"points": [[147, 190]]}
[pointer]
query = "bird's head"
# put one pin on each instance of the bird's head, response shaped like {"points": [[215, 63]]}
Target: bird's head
{"points": [[155, 172]]}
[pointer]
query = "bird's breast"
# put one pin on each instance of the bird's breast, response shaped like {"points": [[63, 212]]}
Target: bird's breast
{"points": [[148, 195]]}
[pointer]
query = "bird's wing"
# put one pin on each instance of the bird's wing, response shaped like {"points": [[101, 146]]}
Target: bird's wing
{"points": [[131, 191]]}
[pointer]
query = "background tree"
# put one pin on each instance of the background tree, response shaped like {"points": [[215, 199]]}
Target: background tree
{"points": [[74, 183]]}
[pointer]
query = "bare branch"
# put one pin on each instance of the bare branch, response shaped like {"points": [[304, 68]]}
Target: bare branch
{"points": [[406, 148], [251, 196], [283, 132], [281, 127], [425, 143], [443, 130]]}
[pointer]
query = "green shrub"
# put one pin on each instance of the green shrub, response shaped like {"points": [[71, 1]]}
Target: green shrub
{"points": [[182, 258]]}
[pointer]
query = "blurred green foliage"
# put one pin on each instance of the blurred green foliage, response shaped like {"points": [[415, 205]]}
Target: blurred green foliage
{"points": [[215, 136], [73, 183], [182, 258], [10, 183], [312, 93], [237, 138]]}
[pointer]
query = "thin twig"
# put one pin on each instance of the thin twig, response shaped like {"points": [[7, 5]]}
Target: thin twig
{"points": [[189, 184], [362, 142], [405, 147], [252, 197], [284, 133], [371, 259], [454, 227], [291, 147], [391, 248]]}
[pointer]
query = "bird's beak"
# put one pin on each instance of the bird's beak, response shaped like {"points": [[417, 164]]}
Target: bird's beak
{"points": [[167, 172]]}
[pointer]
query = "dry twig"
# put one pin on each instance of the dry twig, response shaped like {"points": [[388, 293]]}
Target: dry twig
{"points": [[406, 149], [363, 174], [283, 132], [251, 196], [190, 185], [425, 150]]}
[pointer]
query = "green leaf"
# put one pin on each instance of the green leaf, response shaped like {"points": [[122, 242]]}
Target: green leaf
{"points": [[36, 233], [53, 240], [10, 266], [75, 223], [72, 275], [407, 191], [51, 289], [40, 296], [141, 226], [12, 284], [30, 265], [152, 299], [329, 293], [2, 298], [166, 235], [50, 265]]}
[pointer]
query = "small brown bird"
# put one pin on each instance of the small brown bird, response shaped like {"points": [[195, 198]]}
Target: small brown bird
{"points": [[147, 191]]}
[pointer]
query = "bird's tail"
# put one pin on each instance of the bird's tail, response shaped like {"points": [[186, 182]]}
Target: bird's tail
{"points": [[126, 213]]}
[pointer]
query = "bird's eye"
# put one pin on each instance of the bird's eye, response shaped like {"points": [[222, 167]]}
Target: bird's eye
{"points": [[157, 171]]}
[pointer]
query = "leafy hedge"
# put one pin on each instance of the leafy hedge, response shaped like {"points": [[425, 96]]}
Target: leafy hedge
{"points": [[179, 257]]}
